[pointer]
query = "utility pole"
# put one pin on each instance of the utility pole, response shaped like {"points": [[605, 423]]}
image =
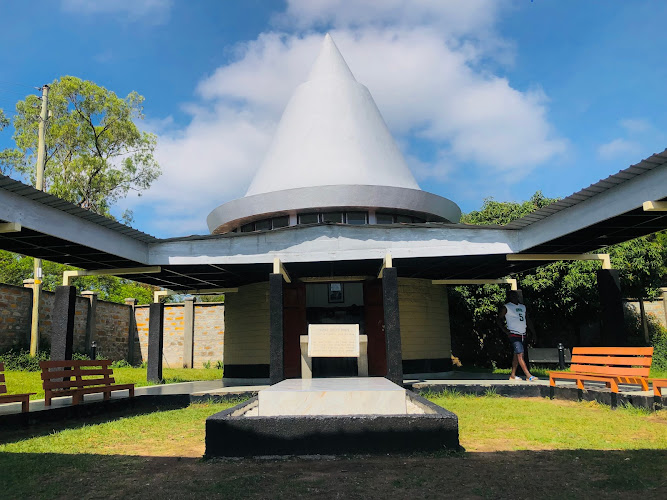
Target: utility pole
{"points": [[39, 184]]}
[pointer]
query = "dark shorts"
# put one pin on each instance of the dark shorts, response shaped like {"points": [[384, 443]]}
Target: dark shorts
{"points": [[517, 345]]}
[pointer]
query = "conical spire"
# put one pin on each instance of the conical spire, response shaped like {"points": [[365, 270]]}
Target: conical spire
{"points": [[331, 133], [330, 63]]}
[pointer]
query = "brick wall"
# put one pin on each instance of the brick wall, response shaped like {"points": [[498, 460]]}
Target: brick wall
{"points": [[15, 313], [247, 323], [655, 308], [111, 330], [209, 334]]}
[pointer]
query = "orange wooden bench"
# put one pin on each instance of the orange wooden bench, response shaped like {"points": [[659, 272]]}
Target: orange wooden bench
{"points": [[611, 365], [658, 383], [76, 378], [24, 399]]}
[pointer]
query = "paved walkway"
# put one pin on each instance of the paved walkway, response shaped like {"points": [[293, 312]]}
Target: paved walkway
{"points": [[215, 388]]}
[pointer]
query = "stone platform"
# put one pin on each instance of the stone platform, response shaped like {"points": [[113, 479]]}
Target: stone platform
{"points": [[333, 396], [331, 416]]}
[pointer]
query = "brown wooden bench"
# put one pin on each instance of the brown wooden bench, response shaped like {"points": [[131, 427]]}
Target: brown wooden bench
{"points": [[24, 399], [611, 365], [658, 383], [76, 378]]}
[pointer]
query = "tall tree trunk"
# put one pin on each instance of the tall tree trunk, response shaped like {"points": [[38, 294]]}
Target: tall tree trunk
{"points": [[642, 314]]}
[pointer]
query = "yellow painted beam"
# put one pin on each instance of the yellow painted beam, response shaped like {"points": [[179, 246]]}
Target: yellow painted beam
{"points": [[604, 257], [500, 281], [68, 275], [278, 268], [10, 227], [655, 206], [159, 294], [386, 263]]}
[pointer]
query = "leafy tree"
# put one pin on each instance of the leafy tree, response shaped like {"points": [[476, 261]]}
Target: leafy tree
{"points": [[504, 212], [95, 153]]}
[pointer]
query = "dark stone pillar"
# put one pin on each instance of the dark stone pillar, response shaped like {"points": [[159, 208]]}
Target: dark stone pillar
{"points": [[62, 335], [91, 320], [277, 367], [611, 308], [155, 342], [392, 325], [132, 329]]}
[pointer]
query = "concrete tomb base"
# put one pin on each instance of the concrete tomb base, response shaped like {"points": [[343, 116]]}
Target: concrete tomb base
{"points": [[331, 416]]}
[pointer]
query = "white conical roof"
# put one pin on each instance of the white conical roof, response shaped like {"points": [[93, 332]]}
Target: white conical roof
{"points": [[331, 133]]}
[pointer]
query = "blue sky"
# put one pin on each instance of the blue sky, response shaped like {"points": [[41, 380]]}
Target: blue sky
{"points": [[485, 97]]}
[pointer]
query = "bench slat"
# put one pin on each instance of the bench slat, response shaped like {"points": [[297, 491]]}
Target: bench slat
{"points": [[67, 384], [614, 351], [2, 377], [612, 360], [3, 389], [2, 367], [76, 373], [73, 363], [610, 370]]}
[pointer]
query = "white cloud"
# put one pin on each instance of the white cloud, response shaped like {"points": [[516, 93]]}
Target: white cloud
{"points": [[635, 125], [152, 11], [422, 62], [618, 147]]}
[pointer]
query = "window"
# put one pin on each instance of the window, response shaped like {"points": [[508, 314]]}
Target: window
{"points": [[308, 218], [403, 218], [281, 222], [356, 218], [248, 228], [332, 217], [263, 225], [384, 218]]}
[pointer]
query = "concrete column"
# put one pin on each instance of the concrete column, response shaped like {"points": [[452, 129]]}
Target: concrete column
{"points": [[392, 325], [611, 305], [34, 311], [132, 330], [62, 334], [277, 359], [664, 302], [188, 331], [91, 319], [155, 342]]}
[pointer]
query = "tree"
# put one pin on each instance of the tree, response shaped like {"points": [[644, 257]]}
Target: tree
{"points": [[504, 212], [95, 153]]}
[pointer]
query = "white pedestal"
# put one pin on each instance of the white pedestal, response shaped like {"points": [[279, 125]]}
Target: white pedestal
{"points": [[333, 396]]}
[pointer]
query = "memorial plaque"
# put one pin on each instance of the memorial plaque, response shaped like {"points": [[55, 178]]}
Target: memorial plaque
{"points": [[333, 341]]}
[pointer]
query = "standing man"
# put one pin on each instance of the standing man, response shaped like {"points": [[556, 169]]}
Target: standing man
{"points": [[512, 319]]}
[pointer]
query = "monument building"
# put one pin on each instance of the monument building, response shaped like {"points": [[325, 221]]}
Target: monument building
{"points": [[334, 229]]}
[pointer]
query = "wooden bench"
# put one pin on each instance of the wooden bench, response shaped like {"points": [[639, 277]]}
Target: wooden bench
{"points": [[658, 383], [547, 355], [24, 399], [76, 378], [611, 365]]}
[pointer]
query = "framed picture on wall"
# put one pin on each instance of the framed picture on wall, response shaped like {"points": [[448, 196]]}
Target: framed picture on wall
{"points": [[336, 293]]}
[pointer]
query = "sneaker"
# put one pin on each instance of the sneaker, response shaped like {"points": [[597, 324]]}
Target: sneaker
{"points": [[533, 379]]}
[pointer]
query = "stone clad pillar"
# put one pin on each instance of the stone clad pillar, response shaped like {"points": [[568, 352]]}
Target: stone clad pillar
{"points": [[155, 342], [392, 325], [277, 356], [188, 331], [611, 305], [91, 319], [132, 330], [62, 334]]}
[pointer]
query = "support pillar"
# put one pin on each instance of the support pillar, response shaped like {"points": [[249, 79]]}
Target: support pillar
{"points": [[188, 331], [62, 334], [91, 320], [664, 302], [131, 330], [277, 359], [155, 342], [611, 308], [392, 325]]}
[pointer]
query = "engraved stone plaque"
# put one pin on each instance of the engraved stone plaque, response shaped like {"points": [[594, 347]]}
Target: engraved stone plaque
{"points": [[333, 341]]}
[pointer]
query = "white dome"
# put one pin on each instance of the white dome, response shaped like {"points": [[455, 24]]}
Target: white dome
{"points": [[331, 133]]}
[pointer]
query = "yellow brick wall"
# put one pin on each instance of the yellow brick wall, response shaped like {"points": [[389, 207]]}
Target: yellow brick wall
{"points": [[424, 316], [247, 325]]}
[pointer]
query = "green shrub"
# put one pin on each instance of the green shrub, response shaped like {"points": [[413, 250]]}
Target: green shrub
{"points": [[207, 364], [22, 360], [121, 363], [218, 365], [659, 343]]}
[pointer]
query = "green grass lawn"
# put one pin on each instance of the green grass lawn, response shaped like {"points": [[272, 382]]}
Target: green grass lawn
{"points": [[521, 448], [21, 382]]}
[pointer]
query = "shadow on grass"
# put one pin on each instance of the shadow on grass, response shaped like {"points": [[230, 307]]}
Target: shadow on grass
{"points": [[542, 474]]}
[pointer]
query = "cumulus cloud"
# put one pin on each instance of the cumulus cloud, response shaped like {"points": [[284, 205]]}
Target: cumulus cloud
{"points": [[423, 62], [618, 147], [152, 11]]}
